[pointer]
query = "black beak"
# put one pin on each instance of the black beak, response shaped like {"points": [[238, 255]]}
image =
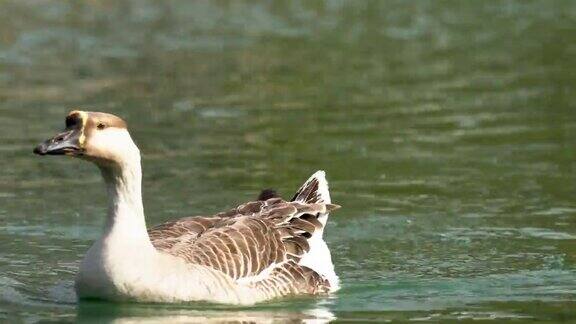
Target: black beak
{"points": [[65, 143]]}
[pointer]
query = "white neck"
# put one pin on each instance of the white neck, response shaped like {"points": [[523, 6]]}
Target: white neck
{"points": [[125, 221]]}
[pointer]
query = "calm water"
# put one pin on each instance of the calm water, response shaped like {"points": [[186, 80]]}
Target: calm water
{"points": [[447, 129]]}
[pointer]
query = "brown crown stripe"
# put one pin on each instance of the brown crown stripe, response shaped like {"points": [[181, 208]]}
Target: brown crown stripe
{"points": [[76, 117]]}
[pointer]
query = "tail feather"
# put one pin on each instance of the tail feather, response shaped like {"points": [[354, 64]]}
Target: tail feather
{"points": [[314, 190]]}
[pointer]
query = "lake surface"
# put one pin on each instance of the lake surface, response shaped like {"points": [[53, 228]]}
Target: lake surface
{"points": [[447, 130]]}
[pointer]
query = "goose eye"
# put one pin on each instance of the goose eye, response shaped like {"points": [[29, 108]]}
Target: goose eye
{"points": [[101, 126]]}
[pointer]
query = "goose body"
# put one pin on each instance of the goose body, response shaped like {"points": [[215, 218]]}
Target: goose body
{"points": [[255, 252]]}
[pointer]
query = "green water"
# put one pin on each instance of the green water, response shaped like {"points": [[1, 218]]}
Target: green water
{"points": [[447, 130]]}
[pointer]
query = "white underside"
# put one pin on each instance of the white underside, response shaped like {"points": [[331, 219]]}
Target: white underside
{"points": [[320, 260], [135, 273], [146, 276]]}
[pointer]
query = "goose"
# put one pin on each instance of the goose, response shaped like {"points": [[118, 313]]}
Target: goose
{"points": [[261, 250]]}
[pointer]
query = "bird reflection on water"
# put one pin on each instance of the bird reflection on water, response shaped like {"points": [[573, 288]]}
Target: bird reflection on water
{"points": [[97, 311]]}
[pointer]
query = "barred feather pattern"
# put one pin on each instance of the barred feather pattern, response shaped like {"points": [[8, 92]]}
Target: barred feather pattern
{"points": [[257, 244], [291, 278]]}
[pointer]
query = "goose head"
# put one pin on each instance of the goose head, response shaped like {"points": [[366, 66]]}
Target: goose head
{"points": [[98, 137]]}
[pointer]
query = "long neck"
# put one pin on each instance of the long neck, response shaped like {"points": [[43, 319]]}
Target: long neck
{"points": [[125, 220]]}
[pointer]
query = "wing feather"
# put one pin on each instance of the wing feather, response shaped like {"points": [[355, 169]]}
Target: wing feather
{"points": [[245, 242]]}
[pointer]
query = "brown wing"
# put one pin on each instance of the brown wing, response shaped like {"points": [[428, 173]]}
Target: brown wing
{"points": [[292, 278], [246, 240], [169, 235]]}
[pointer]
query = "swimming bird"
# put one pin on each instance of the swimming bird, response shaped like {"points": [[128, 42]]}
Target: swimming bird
{"points": [[258, 251]]}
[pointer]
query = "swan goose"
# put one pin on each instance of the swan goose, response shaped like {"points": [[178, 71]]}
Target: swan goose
{"points": [[258, 251]]}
